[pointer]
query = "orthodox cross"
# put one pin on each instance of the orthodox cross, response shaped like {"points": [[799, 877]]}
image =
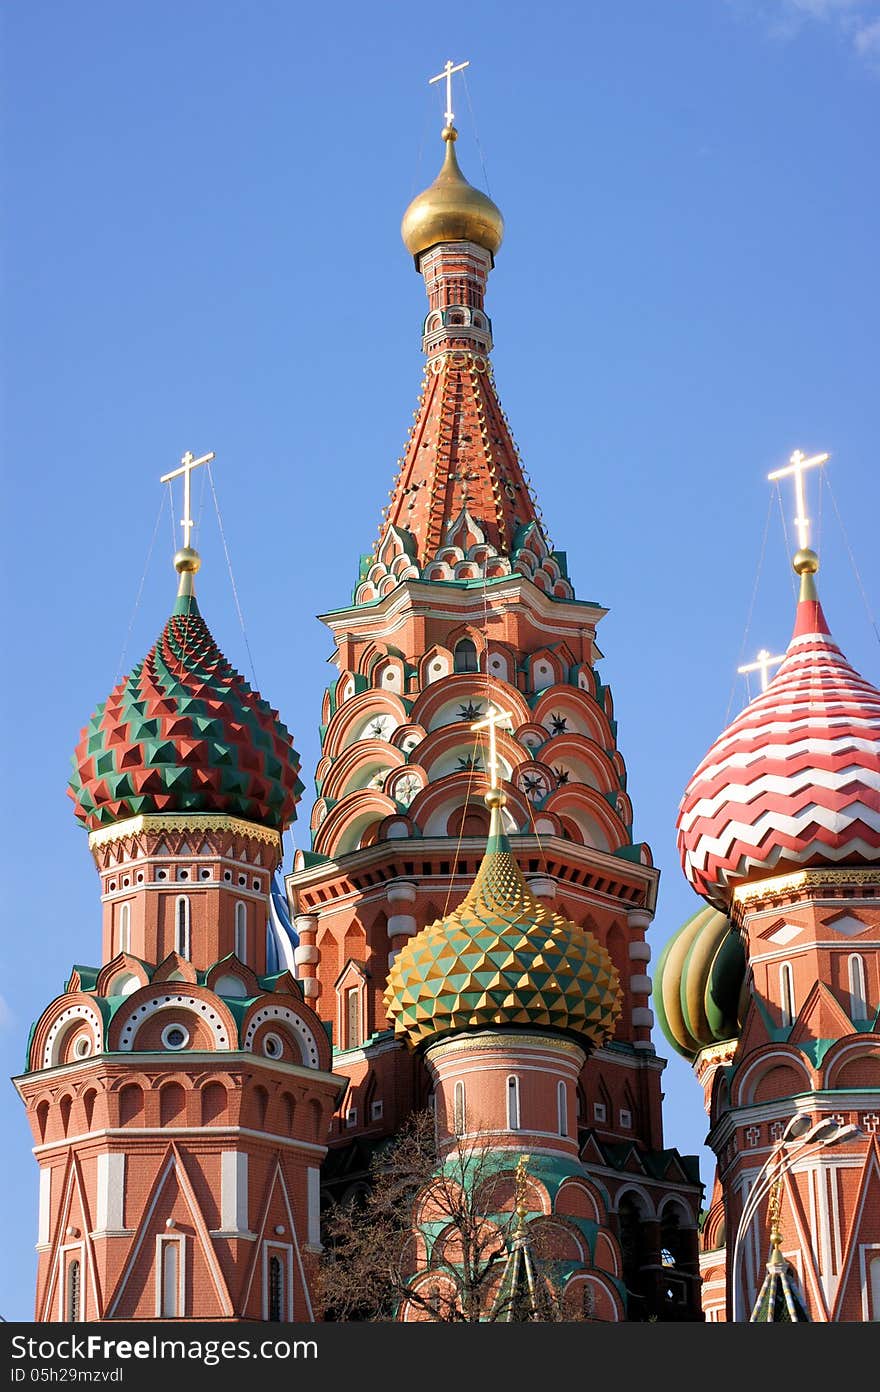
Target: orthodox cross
{"points": [[187, 464], [447, 73], [491, 722], [762, 665], [797, 464]]}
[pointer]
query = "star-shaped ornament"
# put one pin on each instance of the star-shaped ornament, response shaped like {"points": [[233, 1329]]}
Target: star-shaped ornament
{"points": [[470, 711]]}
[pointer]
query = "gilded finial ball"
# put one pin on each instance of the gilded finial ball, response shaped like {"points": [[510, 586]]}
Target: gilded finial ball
{"points": [[495, 797], [187, 559], [805, 561], [449, 133]]}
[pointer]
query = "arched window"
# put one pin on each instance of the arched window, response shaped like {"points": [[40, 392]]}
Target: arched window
{"points": [[74, 1310], [459, 1118], [276, 1290], [181, 926], [466, 656], [858, 994], [513, 1103], [562, 1108], [124, 929], [241, 931], [786, 993]]}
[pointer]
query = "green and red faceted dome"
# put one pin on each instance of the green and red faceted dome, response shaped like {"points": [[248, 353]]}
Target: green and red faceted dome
{"points": [[184, 732]]}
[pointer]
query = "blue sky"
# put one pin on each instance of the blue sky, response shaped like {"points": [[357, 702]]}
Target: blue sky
{"points": [[201, 251]]}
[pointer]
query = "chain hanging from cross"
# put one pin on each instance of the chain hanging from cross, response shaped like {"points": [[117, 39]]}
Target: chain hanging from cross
{"points": [[447, 72], [795, 468], [187, 464]]}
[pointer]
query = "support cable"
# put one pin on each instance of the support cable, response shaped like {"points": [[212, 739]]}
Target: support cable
{"points": [[745, 637], [120, 670], [871, 620], [231, 576]]}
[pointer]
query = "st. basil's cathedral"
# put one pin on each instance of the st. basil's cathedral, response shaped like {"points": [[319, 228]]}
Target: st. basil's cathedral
{"points": [[468, 932]]}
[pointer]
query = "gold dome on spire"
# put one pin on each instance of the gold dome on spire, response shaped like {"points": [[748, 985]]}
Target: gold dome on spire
{"points": [[451, 210]]}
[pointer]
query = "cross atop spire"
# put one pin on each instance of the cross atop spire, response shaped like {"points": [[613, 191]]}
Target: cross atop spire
{"points": [[187, 464], [447, 72], [797, 465]]}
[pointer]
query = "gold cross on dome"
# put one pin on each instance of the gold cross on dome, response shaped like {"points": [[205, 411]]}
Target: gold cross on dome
{"points": [[797, 465], [187, 464], [447, 72], [762, 664], [493, 719]]}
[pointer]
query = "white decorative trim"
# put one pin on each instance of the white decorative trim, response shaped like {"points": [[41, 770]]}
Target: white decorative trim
{"points": [[80, 1011], [151, 1007], [282, 1012], [43, 1233]]}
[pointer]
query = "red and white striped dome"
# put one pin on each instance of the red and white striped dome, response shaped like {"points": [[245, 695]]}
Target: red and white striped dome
{"points": [[794, 781]]}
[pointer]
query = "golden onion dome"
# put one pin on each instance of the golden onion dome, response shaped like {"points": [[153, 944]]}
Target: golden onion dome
{"points": [[451, 210], [502, 958]]}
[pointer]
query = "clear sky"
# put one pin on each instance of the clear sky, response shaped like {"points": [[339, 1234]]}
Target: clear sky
{"points": [[201, 251]]}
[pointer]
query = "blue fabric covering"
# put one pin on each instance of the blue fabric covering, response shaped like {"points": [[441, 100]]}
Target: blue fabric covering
{"points": [[281, 937]]}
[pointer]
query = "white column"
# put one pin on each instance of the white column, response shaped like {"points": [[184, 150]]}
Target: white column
{"points": [[638, 921], [401, 926], [305, 954], [111, 1192], [542, 886], [234, 1191], [313, 1192], [45, 1206]]}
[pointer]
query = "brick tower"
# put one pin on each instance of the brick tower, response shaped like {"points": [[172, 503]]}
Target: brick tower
{"points": [[773, 991], [179, 1096], [462, 603], [506, 999]]}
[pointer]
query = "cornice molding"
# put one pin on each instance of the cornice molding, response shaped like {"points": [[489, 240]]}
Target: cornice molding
{"points": [[183, 821]]}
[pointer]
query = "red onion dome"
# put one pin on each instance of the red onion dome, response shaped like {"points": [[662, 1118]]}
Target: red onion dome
{"points": [[794, 781], [184, 732]]}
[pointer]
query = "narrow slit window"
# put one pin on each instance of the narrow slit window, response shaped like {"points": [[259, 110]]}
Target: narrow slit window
{"points": [[169, 1279], [276, 1290], [513, 1118], [858, 994], [352, 1017], [459, 1119], [241, 931], [182, 926], [786, 993], [562, 1108], [124, 935], [74, 1291]]}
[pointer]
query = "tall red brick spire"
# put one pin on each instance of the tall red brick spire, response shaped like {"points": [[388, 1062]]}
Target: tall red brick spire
{"points": [[460, 456]]}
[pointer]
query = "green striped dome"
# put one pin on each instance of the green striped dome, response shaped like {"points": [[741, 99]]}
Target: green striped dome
{"points": [[502, 958], [698, 983]]}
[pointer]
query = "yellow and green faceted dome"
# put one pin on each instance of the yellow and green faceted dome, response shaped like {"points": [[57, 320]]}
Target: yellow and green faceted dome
{"points": [[502, 959], [184, 732], [699, 983]]}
